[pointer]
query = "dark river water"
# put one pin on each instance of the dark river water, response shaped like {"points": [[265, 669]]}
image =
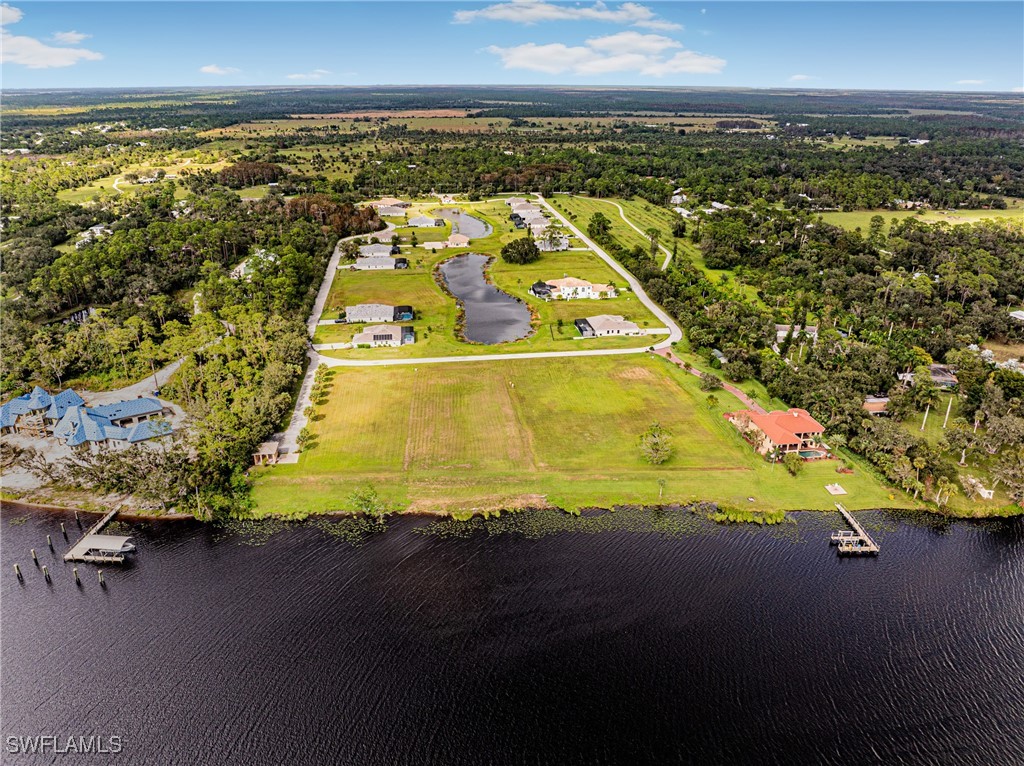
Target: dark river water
{"points": [[628, 641], [492, 316], [464, 223]]}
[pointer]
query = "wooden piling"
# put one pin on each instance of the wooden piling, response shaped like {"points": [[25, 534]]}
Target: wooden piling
{"points": [[46, 573], [35, 558], [49, 542], [78, 521], [78, 580], [63, 531], [99, 574], [17, 571]]}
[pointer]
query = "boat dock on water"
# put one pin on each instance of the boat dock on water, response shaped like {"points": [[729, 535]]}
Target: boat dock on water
{"points": [[100, 549], [856, 542]]}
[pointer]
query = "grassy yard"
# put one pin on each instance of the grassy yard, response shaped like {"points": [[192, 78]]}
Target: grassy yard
{"points": [[492, 435], [979, 463], [436, 312]]}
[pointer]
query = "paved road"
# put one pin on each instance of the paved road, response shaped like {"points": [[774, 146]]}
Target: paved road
{"points": [[289, 437], [675, 333], [622, 214]]}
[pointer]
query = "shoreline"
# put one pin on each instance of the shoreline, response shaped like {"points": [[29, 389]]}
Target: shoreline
{"points": [[755, 516]]}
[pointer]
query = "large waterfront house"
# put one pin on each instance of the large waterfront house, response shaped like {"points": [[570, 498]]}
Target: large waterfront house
{"points": [[780, 431], [384, 335], [380, 262], [35, 413], [377, 312], [89, 427], [604, 325], [65, 417], [571, 288]]}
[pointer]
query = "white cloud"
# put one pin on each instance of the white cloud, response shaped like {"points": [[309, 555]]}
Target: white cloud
{"points": [[220, 70], [33, 53], [70, 38], [622, 52], [9, 15], [971, 82], [803, 77], [535, 11], [1016, 90], [316, 74]]}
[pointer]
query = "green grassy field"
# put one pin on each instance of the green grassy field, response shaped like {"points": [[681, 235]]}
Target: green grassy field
{"points": [[861, 219], [436, 312], [645, 215], [503, 434]]}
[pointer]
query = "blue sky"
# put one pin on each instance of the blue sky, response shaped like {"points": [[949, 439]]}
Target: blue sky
{"points": [[872, 45]]}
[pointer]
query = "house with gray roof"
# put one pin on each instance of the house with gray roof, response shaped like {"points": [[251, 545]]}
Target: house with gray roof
{"points": [[384, 335], [369, 312]]}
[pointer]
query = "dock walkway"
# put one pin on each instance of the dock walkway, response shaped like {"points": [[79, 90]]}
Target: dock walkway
{"points": [[97, 548], [855, 543]]}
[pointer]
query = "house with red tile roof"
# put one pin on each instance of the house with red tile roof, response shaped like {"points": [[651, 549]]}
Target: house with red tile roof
{"points": [[789, 430]]}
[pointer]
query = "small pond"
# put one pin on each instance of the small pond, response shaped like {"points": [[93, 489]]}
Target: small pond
{"points": [[491, 316], [464, 223]]}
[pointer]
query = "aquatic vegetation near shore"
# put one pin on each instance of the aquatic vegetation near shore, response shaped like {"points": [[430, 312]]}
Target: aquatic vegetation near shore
{"points": [[669, 521], [353, 530]]}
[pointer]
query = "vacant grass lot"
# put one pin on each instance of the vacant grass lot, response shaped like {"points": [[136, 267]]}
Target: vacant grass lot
{"points": [[491, 435], [436, 312]]}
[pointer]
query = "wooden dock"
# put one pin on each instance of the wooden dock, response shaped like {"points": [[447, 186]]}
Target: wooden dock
{"points": [[97, 548], [855, 543]]}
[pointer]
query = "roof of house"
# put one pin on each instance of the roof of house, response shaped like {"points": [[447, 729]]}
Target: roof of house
{"points": [[541, 286], [368, 251], [36, 400], [569, 282], [129, 408], [782, 426], [389, 202], [423, 220], [610, 322], [458, 239], [85, 424], [369, 310], [1018, 315], [368, 333], [876, 404], [268, 448]]}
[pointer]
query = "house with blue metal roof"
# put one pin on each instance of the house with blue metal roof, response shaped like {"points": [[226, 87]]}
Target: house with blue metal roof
{"points": [[65, 416], [34, 413]]}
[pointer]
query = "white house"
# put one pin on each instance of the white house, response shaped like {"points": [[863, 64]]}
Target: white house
{"points": [[369, 312], [392, 202], [423, 221], [458, 240], [571, 288], [380, 262], [372, 251], [683, 212], [513, 201], [604, 325], [384, 335], [553, 244]]}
